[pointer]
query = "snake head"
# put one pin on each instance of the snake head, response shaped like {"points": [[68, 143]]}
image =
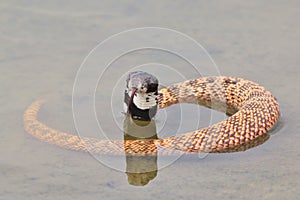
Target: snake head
{"points": [[141, 95], [142, 82]]}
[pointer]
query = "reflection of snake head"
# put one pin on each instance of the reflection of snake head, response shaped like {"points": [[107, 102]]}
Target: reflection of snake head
{"points": [[141, 95], [140, 135]]}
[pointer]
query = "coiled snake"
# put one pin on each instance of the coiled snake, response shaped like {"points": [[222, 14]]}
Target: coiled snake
{"points": [[257, 111]]}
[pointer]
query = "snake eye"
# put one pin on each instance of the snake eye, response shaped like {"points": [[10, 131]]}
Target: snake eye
{"points": [[152, 87]]}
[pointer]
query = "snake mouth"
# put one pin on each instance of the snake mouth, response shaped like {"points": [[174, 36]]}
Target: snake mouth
{"points": [[134, 90]]}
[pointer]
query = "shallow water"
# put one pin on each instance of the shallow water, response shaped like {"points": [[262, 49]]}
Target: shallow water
{"points": [[43, 45]]}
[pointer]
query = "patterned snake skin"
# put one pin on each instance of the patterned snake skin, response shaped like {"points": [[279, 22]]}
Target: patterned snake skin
{"points": [[256, 112]]}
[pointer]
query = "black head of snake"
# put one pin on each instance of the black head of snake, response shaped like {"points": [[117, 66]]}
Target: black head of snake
{"points": [[141, 95]]}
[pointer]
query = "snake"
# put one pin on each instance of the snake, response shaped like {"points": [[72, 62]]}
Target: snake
{"points": [[254, 111]]}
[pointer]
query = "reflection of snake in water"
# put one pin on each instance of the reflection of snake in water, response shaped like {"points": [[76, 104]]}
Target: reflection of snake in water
{"points": [[255, 110]]}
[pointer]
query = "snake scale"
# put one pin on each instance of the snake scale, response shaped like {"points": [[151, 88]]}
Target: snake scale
{"points": [[256, 112]]}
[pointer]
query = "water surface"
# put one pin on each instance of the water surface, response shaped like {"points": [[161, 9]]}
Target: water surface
{"points": [[43, 45]]}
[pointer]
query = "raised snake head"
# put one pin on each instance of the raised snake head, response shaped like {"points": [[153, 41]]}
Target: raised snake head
{"points": [[141, 95]]}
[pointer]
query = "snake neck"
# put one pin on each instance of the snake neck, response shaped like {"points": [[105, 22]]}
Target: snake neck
{"points": [[143, 106]]}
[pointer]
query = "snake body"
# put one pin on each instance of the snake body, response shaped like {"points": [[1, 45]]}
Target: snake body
{"points": [[256, 112]]}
